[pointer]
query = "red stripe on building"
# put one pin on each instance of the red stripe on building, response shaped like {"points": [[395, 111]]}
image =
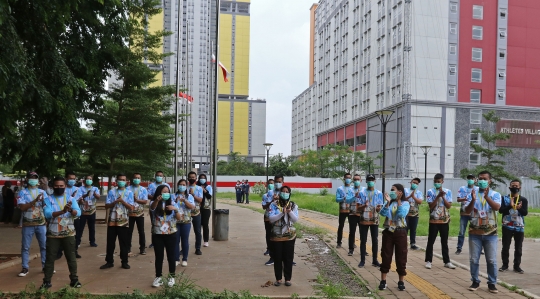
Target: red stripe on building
{"points": [[361, 128], [349, 132], [340, 134], [332, 138]]}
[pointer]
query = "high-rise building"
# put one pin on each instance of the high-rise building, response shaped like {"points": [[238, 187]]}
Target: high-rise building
{"points": [[439, 65]]}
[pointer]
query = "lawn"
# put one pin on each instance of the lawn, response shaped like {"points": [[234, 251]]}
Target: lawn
{"points": [[327, 204]]}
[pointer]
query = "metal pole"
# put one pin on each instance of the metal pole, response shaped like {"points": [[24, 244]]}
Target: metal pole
{"points": [[215, 112], [267, 155], [384, 159], [425, 174], [176, 96]]}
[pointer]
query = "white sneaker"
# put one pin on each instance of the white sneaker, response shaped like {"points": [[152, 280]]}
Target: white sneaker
{"points": [[184, 263], [177, 263], [205, 244], [23, 273], [171, 282], [428, 265], [157, 282], [450, 265]]}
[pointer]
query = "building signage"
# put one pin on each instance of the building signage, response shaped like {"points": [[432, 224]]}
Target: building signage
{"points": [[522, 133]]}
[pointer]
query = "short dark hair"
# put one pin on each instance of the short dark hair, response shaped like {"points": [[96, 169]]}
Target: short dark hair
{"points": [[346, 174], [270, 180], [89, 175], [439, 176], [516, 181], [417, 179], [136, 173], [159, 171], [192, 172], [59, 178], [70, 173], [278, 177], [485, 172], [120, 174], [357, 175]]}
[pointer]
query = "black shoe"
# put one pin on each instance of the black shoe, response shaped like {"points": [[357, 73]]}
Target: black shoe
{"points": [[458, 252], [267, 252], [143, 252], [518, 270], [376, 264], [198, 252], [93, 245], [474, 286], [503, 268], [382, 285], [361, 265], [151, 245], [492, 288], [107, 266], [75, 284], [77, 255], [414, 247], [45, 286], [269, 263], [401, 285], [126, 266], [338, 245], [350, 253]]}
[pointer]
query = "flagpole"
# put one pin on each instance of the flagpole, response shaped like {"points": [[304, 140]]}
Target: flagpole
{"points": [[215, 112], [177, 98]]}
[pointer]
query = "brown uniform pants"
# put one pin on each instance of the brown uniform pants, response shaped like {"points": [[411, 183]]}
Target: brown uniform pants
{"points": [[394, 241]]}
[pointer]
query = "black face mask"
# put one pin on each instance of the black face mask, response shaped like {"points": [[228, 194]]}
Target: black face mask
{"points": [[59, 191], [192, 181], [514, 190]]}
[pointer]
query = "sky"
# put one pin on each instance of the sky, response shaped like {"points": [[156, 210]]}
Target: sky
{"points": [[279, 63]]}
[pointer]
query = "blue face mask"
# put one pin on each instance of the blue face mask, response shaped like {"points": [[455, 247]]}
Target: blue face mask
{"points": [[166, 196], [414, 186], [136, 181], [470, 182], [33, 182], [89, 182], [371, 184], [270, 186], [202, 181], [347, 181], [483, 184], [357, 183], [182, 188], [392, 195], [159, 179], [121, 184], [278, 185], [437, 185], [71, 183], [284, 196]]}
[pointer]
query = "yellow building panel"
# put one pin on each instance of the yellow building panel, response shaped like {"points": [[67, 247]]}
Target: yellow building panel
{"points": [[241, 59], [156, 24], [224, 127], [241, 114], [225, 42]]}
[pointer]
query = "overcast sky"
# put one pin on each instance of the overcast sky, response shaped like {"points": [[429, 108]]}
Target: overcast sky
{"points": [[279, 63]]}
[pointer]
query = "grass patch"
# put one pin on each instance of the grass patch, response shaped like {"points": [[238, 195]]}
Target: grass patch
{"points": [[331, 290]]}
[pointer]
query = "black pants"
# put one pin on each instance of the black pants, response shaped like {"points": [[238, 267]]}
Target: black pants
{"points": [[91, 220], [196, 223], [167, 243], [140, 228], [268, 230], [341, 224], [122, 233], [518, 245], [353, 223], [238, 197], [246, 197], [374, 229], [205, 221], [8, 212], [412, 224], [435, 229], [283, 258]]}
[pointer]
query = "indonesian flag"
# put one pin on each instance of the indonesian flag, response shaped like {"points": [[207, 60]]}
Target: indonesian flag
{"points": [[223, 69], [185, 96]]}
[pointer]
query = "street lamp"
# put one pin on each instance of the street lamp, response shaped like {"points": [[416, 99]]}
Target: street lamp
{"points": [[425, 149], [384, 117], [267, 146]]}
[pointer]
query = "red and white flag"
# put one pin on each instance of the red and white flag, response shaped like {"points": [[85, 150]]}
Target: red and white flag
{"points": [[185, 96], [223, 69]]}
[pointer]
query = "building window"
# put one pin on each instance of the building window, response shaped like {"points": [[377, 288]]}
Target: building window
{"points": [[476, 116], [474, 137], [478, 12], [452, 90], [502, 13], [453, 49], [453, 69], [361, 140], [474, 159], [476, 75], [476, 95], [453, 7], [477, 54], [502, 33], [453, 28], [477, 32]]}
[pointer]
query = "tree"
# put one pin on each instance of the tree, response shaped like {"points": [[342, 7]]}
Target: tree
{"points": [[493, 155], [131, 132], [238, 165], [279, 164]]}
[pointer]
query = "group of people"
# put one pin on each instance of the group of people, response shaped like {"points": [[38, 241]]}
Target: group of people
{"points": [[59, 219], [363, 207], [242, 189]]}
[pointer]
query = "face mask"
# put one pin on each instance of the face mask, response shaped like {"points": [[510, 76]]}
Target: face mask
{"points": [[159, 179], [270, 186], [192, 181], [182, 188], [136, 181], [71, 183], [357, 183], [371, 184], [392, 195], [470, 182], [121, 184], [88, 182], [284, 196], [166, 196], [59, 191], [33, 182], [278, 185], [514, 190], [414, 186], [202, 181], [437, 185], [347, 181], [483, 184]]}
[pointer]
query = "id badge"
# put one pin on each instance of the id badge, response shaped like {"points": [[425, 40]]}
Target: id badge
{"points": [[165, 227], [392, 228], [64, 221], [482, 214], [119, 212]]}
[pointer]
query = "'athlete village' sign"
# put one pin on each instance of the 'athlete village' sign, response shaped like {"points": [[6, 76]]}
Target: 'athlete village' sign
{"points": [[522, 133]]}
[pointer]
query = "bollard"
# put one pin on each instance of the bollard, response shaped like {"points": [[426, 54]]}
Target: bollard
{"points": [[221, 225]]}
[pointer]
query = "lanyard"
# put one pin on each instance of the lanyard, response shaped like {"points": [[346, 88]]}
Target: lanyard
{"points": [[122, 196], [394, 210], [57, 202], [483, 201], [516, 203], [137, 191], [370, 198], [31, 193]]}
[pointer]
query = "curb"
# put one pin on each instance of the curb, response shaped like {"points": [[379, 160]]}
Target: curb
{"points": [[17, 261]]}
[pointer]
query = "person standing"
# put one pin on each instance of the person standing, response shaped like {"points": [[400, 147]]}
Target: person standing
{"points": [[206, 207], [136, 216], [164, 232], [370, 204], [87, 203], [464, 218], [31, 202], [120, 203], [344, 197], [513, 208], [283, 214], [9, 203], [415, 198], [354, 214], [73, 191], [185, 203], [394, 236], [197, 193], [483, 207], [271, 196], [238, 189], [158, 181], [247, 188], [60, 210], [266, 201]]}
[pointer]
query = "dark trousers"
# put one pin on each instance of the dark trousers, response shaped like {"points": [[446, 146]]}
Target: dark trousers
{"points": [[238, 197], [140, 228], [164, 243], [396, 241], [8, 212], [66, 244], [182, 236], [196, 221], [268, 230], [122, 233], [353, 223], [435, 229], [374, 229], [412, 224], [91, 220], [246, 197], [507, 236], [283, 258], [205, 221], [341, 224]]}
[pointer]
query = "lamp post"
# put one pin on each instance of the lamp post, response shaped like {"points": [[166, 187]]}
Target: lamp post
{"points": [[384, 117], [425, 149], [267, 146]]}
